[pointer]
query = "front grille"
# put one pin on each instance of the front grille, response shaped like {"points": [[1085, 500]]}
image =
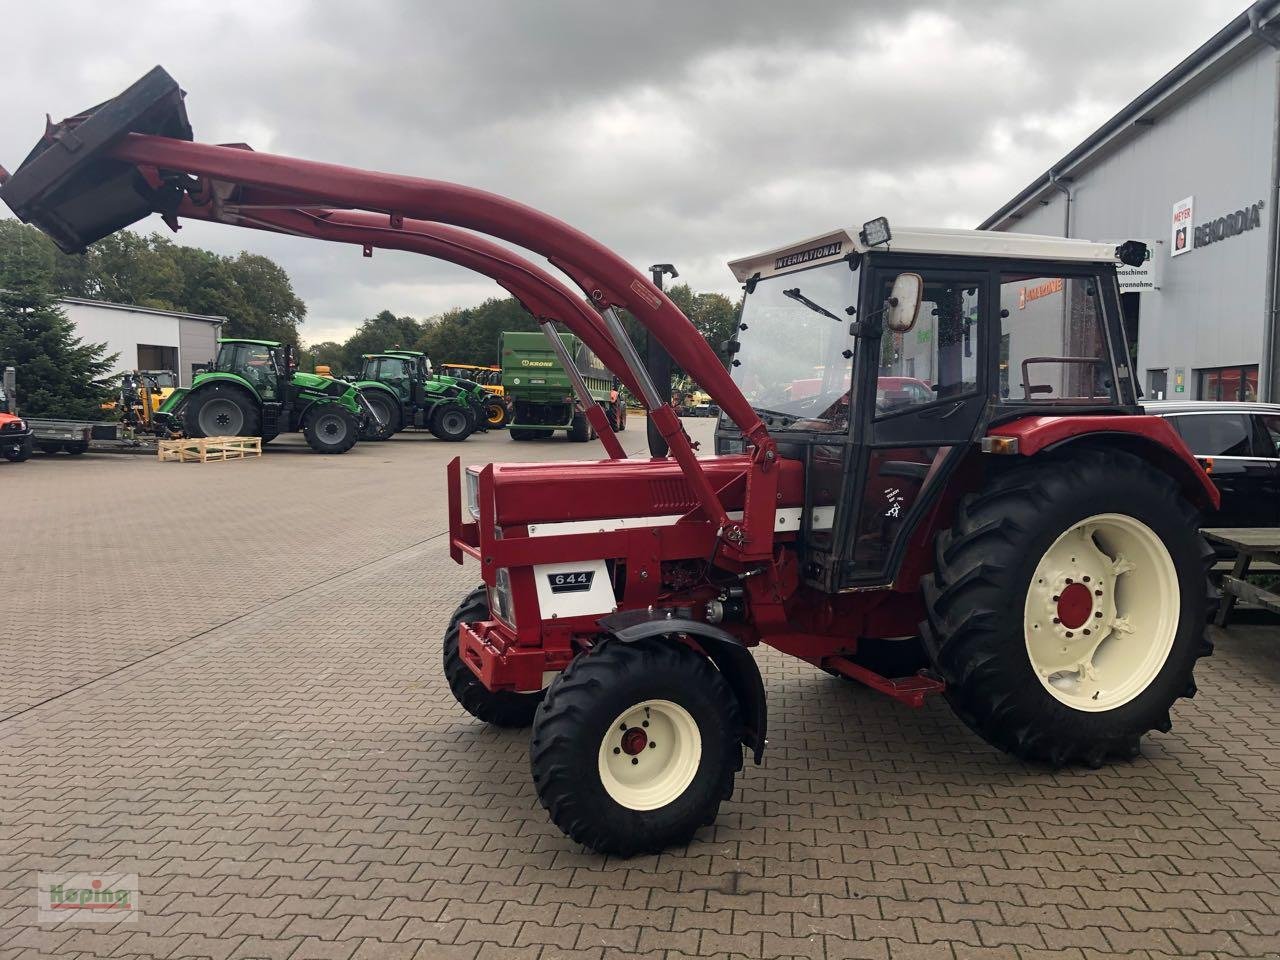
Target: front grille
{"points": [[671, 495]]}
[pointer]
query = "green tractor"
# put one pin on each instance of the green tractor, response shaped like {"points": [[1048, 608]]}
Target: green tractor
{"points": [[255, 390], [401, 389]]}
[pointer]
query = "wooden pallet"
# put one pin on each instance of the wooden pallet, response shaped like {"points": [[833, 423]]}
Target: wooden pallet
{"points": [[209, 449]]}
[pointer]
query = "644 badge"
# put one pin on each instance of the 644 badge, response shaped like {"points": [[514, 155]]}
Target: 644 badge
{"points": [[572, 581]]}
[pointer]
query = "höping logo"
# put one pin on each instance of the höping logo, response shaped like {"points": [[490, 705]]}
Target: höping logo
{"points": [[571, 582]]}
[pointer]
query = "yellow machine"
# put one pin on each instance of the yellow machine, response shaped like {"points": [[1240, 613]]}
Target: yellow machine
{"points": [[488, 377], [142, 392]]}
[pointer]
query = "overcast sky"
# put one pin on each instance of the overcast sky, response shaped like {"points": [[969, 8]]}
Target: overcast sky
{"points": [[671, 131]]}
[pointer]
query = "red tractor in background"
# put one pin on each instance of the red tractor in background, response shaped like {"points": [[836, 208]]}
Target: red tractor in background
{"points": [[1027, 549]]}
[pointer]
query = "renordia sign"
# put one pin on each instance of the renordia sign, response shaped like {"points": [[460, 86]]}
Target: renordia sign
{"points": [[1230, 225]]}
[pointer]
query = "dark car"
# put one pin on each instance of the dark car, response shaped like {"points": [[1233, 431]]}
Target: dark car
{"points": [[1243, 441]]}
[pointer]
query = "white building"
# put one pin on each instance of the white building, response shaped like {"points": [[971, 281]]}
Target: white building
{"points": [[147, 339]]}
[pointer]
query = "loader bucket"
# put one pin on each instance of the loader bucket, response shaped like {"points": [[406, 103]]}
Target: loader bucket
{"points": [[76, 194]]}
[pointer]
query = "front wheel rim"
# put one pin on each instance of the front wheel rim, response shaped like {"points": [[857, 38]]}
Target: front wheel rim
{"points": [[453, 422], [332, 428], [1102, 612], [649, 755]]}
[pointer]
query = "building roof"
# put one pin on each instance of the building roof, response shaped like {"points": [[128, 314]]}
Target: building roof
{"points": [[834, 245], [134, 308], [1226, 48]]}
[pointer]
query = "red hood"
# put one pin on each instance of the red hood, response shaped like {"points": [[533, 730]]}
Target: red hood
{"points": [[577, 490]]}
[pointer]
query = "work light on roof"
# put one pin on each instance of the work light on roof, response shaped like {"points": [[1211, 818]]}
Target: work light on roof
{"points": [[875, 232]]}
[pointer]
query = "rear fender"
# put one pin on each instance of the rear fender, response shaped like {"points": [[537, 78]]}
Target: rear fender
{"points": [[732, 659], [209, 379], [1151, 438]]}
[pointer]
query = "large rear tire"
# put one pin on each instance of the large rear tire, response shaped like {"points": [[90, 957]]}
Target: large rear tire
{"points": [[1068, 606], [635, 746], [330, 428], [452, 422], [388, 411], [504, 708], [220, 410]]}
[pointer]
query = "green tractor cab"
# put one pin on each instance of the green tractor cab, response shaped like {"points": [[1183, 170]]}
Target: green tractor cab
{"points": [[254, 389], [401, 388]]}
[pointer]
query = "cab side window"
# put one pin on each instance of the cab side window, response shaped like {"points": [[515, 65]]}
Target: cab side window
{"points": [[1269, 435], [1053, 348]]}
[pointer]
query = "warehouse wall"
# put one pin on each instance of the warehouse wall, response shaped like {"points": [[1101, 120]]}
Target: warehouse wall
{"points": [[1216, 147], [122, 330]]}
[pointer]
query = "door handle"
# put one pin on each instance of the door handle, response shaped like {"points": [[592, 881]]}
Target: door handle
{"points": [[941, 412]]}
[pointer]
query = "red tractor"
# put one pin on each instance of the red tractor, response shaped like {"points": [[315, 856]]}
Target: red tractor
{"points": [[1010, 531]]}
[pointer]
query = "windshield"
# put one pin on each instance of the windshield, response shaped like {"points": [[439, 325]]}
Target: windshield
{"points": [[791, 363]]}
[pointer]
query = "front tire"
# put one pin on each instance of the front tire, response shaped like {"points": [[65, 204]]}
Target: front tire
{"points": [[519, 433], [503, 708], [1069, 606], [388, 411], [330, 428], [635, 746], [495, 414], [452, 422]]}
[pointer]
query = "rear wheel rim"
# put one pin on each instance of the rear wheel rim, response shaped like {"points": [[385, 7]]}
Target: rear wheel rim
{"points": [[1102, 612], [496, 414], [221, 416], [649, 755], [331, 428]]}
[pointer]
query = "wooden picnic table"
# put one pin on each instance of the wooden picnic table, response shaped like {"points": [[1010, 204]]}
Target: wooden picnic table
{"points": [[1249, 543]]}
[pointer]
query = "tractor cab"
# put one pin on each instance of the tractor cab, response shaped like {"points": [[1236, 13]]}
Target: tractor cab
{"points": [[878, 357], [263, 363]]}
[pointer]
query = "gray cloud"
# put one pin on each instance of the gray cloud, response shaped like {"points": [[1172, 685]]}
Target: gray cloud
{"points": [[690, 132]]}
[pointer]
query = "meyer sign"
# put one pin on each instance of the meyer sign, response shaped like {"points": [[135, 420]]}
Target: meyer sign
{"points": [[1180, 238]]}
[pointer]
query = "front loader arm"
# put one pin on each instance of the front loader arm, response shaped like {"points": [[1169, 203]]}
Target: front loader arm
{"points": [[96, 173]]}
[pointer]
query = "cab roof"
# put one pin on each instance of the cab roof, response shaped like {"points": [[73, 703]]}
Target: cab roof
{"points": [[261, 343], [838, 243]]}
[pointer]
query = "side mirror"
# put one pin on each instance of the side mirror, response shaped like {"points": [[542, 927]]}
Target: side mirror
{"points": [[903, 307]]}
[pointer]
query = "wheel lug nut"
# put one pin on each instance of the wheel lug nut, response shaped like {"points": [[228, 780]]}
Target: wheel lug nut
{"points": [[1098, 614], [634, 761], [652, 744], [617, 749], [1056, 620], [622, 727], [1097, 593], [644, 723], [1070, 634], [1069, 580], [1055, 600], [1085, 580]]}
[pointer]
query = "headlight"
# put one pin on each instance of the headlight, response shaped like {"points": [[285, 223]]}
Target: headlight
{"points": [[17, 426], [473, 494], [500, 602]]}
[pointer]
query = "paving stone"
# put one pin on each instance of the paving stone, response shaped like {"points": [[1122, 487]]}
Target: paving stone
{"points": [[289, 776]]}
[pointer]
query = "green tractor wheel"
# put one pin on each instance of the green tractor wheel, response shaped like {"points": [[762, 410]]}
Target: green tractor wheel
{"points": [[330, 428], [519, 433], [220, 410], [452, 422], [388, 412]]}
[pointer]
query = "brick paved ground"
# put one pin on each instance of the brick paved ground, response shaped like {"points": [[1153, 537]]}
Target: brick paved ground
{"points": [[233, 690]]}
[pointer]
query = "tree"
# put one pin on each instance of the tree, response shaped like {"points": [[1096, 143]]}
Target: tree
{"points": [[58, 374], [472, 335], [383, 331], [253, 292]]}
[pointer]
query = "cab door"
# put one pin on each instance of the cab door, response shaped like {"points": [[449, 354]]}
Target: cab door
{"points": [[923, 396], [394, 372]]}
